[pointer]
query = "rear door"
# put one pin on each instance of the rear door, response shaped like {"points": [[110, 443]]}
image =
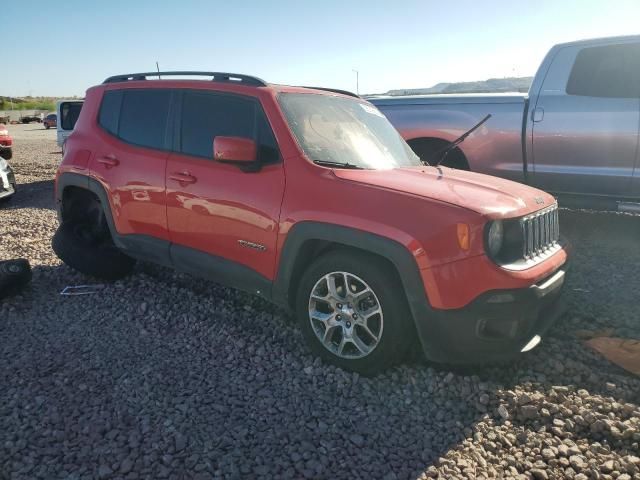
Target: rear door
{"points": [[586, 120], [67, 115], [130, 161], [223, 219]]}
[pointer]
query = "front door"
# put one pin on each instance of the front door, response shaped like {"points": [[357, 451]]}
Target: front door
{"points": [[222, 219], [585, 123]]}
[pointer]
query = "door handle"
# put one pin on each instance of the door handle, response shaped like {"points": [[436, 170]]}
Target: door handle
{"points": [[109, 161], [538, 114], [183, 177]]}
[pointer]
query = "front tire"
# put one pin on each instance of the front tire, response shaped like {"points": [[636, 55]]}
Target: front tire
{"points": [[353, 313], [94, 255]]}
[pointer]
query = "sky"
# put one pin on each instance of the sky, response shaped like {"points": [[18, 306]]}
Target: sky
{"points": [[60, 48]]}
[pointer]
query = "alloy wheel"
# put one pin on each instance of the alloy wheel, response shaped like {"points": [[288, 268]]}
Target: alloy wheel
{"points": [[346, 315]]}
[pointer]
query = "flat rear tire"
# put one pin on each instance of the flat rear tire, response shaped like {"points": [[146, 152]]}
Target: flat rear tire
{"points": [[94, 255]]}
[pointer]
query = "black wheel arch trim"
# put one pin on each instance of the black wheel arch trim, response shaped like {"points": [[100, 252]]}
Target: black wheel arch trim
{"points": [[387, 248], [70, 179]]}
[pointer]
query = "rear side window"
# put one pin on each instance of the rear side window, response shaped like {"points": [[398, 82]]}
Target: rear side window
{"points": [[143, 117], [207, 115], [608, 71], [110, 111]]}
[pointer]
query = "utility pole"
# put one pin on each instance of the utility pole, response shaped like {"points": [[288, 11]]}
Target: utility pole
{"points": [[357, 81], [158, 68]]}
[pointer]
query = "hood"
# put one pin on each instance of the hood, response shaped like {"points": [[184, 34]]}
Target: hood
{"points": [[491, 196]]}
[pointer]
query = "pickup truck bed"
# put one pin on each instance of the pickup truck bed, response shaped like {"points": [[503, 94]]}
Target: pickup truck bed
{"points": [[575, 134], [494, 149]]}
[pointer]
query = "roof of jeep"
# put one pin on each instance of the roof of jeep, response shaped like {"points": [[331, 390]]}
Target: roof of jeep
{"points": [[217, 79]]}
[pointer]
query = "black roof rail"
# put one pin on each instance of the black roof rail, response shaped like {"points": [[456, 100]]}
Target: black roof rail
{"points": [[335, 90], [216, 77]]}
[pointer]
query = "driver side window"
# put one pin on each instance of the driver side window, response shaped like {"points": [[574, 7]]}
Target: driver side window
{"points": [[206, 115]]}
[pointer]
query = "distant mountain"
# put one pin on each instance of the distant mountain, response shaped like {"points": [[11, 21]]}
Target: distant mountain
{"points": [[492, 85]]}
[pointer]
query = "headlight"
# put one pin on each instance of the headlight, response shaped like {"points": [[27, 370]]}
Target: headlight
{"points": [[495, 238]]}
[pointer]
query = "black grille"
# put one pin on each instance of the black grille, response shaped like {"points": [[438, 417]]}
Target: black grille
{"points": [[540, 231]]}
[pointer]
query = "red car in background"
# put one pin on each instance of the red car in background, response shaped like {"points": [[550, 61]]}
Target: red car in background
{"points": [[50, 120], [6, 142]]}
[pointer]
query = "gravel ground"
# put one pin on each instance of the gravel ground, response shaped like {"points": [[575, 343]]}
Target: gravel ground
{"points": [[165, 376]]}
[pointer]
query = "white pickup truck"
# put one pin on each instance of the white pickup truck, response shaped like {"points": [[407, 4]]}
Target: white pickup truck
{"points": [[67, 113], [575, 133]]}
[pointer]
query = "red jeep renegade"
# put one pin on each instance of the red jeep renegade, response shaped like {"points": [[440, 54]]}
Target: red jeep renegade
{"points": [[309, 198]]}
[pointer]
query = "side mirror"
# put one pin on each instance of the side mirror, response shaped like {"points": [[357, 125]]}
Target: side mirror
{"points": [[235, 149]]}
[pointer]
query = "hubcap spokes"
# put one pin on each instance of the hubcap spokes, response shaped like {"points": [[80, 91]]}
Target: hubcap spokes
{"points": [[345, 315]]}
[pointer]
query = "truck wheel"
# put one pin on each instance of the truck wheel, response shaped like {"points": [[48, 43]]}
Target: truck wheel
{"points": [[47, 126], [353, 312], [90, 252]]}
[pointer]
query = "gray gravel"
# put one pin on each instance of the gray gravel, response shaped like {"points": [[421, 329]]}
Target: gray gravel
{"points": [[166, 376]]}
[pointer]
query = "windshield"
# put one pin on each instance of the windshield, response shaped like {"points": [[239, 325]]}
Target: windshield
{"points": [[345, 131]]}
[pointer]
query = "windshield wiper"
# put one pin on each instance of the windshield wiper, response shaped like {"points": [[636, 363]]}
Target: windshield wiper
{"points": [[446, 150], [329, 163]]}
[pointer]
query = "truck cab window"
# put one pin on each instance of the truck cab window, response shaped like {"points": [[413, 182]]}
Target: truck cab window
{"points": [[606, 71]]}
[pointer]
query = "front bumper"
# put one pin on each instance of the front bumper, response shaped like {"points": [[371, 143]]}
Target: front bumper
{"points": [[7, 183], [496, 326]]}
